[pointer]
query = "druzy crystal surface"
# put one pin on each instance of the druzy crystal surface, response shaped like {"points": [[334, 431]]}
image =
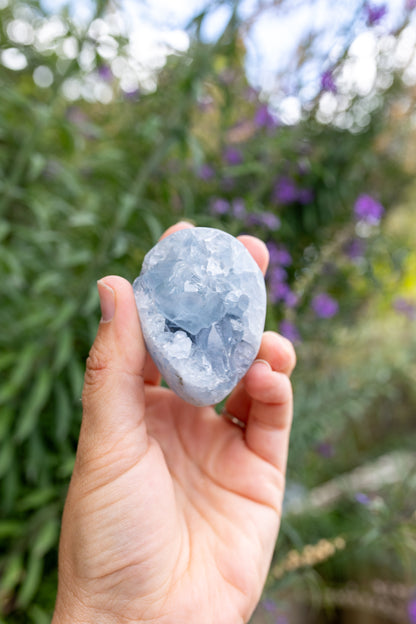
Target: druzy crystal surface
{"points": [[202, 303]]}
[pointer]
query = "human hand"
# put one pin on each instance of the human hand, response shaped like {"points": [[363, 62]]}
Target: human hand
{"points": [[172, 512]]}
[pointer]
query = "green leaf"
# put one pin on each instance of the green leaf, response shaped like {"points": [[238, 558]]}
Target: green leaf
{"points": [[10, 489], [155, 228], [46, 538], [67, 310], [370, 536], [128, 204], [64, 349], [33, 405], [63, 411], [91, 301], [12, 573], [76, 377], [6, 419], [4, 229], [10, 528], [39, 318], [25, 366], [66, 136], [37, 499], [38, 615], [120, 245], [83, 219], [66, 468], [6, 359], [36, 457], [48, 280], [31, 581], [36, 166], [6, 456], [78, 258]]}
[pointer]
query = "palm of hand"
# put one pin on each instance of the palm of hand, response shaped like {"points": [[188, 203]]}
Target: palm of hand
{"points": [[211, 510]]}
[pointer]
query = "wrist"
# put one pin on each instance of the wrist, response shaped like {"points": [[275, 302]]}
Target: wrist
{"points": [[69, 609], [71, 613]]}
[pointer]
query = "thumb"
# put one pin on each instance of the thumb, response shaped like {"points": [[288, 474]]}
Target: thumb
{"points": [[113, 395]]}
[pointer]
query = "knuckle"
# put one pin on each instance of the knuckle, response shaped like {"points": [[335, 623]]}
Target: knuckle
{"points": [[97, 367], [284, 389], [284, 347], [279, 391], [291, 353]]}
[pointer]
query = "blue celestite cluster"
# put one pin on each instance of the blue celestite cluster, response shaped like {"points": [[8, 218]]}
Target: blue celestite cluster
{"points": [[202, 304]]}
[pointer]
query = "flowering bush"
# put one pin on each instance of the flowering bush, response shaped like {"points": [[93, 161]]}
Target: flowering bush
{"points": [[94, 166]]}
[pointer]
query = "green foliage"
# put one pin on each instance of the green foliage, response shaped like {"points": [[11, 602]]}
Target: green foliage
{"points": [[86, 188]]}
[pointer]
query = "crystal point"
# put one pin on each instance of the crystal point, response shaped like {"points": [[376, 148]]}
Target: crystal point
{"points": [[202, 304]]}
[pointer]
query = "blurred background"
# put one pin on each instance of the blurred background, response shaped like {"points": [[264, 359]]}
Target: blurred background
{"points": [[292, 120]]}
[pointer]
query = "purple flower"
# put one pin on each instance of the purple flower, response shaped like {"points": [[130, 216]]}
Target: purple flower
{"points": [[411, 610], [270, 221], [105, 73], [278, 291], [405, 307], [251, 94], [278, 254], [227, 76], [327, 82], [239, 208], [410, 5], [305, 196], [220, 206], [362, 498], [324, 306], [205, 172], [132, 95], [303, 167], [232, 156], [355, 249], [325, 449], [228, 183], [205, 104], [273, 252], [277, 275], [76, 116], [291, 299], [289, 331], [264, 219], [285, 191], [253, 219], [375, 13], [269, 605], [368, 209], [263, 118], [329, 268]]}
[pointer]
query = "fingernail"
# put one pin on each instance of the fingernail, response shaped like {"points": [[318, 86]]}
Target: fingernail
{"points": [[189, 223], [107, 301], [262, 363]]}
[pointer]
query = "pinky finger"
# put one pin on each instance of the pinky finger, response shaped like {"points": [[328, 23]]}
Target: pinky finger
{"points": [[270, 416]]}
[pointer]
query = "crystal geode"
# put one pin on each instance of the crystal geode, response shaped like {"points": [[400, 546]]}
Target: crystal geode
{"points": [[202, 304]]}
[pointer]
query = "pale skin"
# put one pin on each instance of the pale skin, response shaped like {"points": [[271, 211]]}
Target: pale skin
{"points": [[172, 512]]}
